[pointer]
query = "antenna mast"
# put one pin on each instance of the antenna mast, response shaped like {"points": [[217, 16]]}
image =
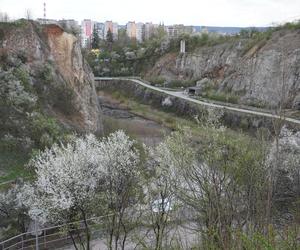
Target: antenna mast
{"points": [[45, 12]]}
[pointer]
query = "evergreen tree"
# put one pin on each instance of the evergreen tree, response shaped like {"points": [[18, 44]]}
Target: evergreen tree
{"points": [[109, 39], [95, 39]]}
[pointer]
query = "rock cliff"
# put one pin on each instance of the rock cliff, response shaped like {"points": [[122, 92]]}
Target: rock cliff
{"points": [[267, 73], [47, 63]]}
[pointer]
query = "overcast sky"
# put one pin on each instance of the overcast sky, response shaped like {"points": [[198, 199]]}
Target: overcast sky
{"points": [[189, 12]]}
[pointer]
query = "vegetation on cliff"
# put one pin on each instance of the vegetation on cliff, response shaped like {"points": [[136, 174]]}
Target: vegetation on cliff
{"points": [[37, 100], [126, 57]]}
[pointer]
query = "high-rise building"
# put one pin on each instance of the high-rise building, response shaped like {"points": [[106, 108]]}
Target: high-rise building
{"points": [[113, 27], [149, 30], [87, 26], [100, 28], [115, 31], [140, 32], [131, 30]]}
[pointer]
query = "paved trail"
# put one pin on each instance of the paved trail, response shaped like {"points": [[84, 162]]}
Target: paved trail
{"points": [[204, 103]]}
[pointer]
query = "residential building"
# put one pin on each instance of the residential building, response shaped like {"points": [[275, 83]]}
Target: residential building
{"points": [[140, 32], [149, 30], [87, 26], [131, 30], [100, 28], [113, 27], [115, 31]]}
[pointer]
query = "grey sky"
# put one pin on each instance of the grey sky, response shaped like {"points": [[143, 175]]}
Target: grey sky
{"points": [[194, 12]]}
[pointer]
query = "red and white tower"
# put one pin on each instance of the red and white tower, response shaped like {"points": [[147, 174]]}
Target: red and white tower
{"points": [[44, 12]]}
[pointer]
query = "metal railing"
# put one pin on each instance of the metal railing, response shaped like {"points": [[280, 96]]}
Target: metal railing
{"points": [[51, 237]]}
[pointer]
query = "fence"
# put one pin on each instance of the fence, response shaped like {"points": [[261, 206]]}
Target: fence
{"points": [[51, 237]]}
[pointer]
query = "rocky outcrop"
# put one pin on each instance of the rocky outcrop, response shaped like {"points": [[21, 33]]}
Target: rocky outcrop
{"points": [[181, 107], [284, 161], [267, 74], [51, 61]]}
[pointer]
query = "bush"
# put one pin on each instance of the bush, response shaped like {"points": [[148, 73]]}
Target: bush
{"points": [[221, 97], [44, 130], [289, 26], [22, 56], [24, 77], [63, 99], [258, 39], [155, 80], [45, 74]]}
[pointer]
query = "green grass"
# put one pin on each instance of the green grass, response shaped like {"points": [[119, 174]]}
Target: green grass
{"points": [[12, 166], [220, 96], [155, 80]]}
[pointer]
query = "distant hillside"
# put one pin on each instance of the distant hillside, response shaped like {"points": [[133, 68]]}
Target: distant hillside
{"points": [[227, 30]]}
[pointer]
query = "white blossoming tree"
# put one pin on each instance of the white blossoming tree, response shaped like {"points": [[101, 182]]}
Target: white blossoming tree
{"points": [[120, 162], [160, 194], [71, 178]]}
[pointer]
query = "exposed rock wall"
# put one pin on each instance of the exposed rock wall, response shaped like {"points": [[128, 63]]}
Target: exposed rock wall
{"points": [[53, 61], [266, 74], [180, 107]]}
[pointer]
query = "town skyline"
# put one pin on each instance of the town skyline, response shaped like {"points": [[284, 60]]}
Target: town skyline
{"points": [[229, 13]]}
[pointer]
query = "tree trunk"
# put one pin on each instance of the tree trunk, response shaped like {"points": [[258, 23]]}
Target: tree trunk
{"points": [[87, 230]]}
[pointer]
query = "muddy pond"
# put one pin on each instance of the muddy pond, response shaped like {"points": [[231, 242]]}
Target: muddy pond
{"points": [[117, 116]]}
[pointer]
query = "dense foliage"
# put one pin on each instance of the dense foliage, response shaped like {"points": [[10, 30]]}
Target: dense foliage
{"points": [[229, 190]]}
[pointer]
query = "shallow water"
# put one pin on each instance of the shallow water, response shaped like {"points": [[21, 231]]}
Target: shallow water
{"points": [[116, 117]]}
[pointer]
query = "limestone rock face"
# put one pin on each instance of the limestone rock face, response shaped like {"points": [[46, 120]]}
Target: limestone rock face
{"points": [[268, 74], [53, 60]]}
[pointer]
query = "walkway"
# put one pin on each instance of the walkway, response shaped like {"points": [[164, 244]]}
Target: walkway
{"points": [[204, 103]]}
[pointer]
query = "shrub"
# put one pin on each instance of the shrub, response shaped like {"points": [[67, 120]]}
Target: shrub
{"points": [[22, 56], [24, 77], [155, 80], [258, 39], [63, 99], [289, 26], [44, 130], [180, 83], [45, 74], [222, 97]]}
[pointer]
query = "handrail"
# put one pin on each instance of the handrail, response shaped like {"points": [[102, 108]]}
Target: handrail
{"points": [[22, 236]]}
